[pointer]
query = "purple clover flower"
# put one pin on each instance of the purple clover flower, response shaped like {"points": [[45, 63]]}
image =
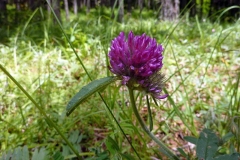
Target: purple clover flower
{"points": [[138, 60]]}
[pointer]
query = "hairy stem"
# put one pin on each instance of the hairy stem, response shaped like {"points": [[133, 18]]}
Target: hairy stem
{"points": [[162, 146]]}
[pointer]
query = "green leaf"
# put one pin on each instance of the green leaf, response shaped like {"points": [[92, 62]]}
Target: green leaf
{"points": [[58, 156], [80, 138], [207, 145], [17, 153], [126, 156], [103, 156], [87, 91], [65, 150], [7, 156], [112, 145], [74, 136], [228, 136], [190, 139], [42, 154], [25, 152], [182, 153], [233, 156]]}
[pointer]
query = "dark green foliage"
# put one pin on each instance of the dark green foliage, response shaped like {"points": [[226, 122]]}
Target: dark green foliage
{"points": [[192, 140], [58, 156], [40, 154], [115, 151], [207, 146], [22, 153], [87, 91], [234, 156]]}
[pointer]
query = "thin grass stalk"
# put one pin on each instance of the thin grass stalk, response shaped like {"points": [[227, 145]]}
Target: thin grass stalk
{"points": [[149, 115], [226, 10], [216, 44], [48, 120], [171, 100], [198, 65], [28, 21], [15, 52], [23, 118], [179, 113], [233, 107], [200, 30], [193, 128], [210, 58], [237, 98]]}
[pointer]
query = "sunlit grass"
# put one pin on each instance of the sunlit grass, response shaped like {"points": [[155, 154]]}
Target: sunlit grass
{"points": [[201, 64]]}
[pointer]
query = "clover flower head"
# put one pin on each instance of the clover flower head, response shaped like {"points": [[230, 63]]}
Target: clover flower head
{"points": [[154, 85], [138, 60]]}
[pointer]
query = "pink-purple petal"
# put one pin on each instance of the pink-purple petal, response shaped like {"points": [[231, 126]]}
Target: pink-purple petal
{"points": [[138, 57]]}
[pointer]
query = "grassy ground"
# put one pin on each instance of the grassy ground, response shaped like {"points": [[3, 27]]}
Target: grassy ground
{"points": [[201, 64]]}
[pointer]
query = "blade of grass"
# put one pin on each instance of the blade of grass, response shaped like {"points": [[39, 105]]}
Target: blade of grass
{"points": [[28, 21], [181, 116], [149, 115], [226, 10], [234, 100], [210, 58], [184, 88], [200, 30]]}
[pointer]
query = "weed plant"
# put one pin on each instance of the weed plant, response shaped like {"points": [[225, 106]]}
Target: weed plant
{"points": [[201, 64]]}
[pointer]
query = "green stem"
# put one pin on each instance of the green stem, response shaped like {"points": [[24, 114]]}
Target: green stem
{"points": [[163, 147], [48, 120]]}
